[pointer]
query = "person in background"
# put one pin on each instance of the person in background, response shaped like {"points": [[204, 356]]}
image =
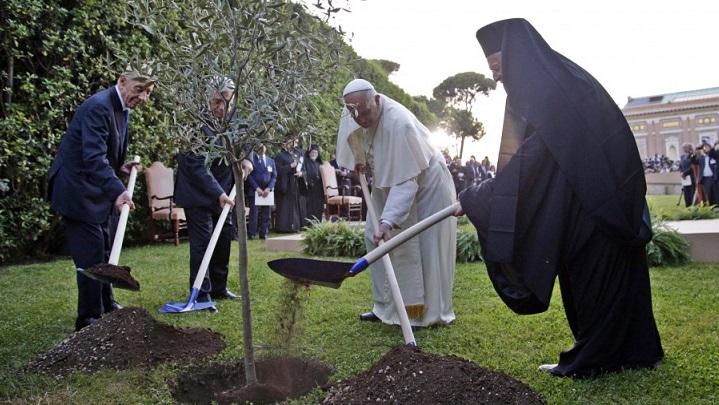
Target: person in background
{"points": [[315, 189], [203, 192], [260, 182], [85, 186], [344, 175], [289, 201], [380, 138], [552, 212], [708, 174], [687, 173]]}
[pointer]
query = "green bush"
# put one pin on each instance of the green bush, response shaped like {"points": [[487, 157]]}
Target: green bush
{"points": [[341, 239], [468, 249], [668, 247], [702, 211], [334, 239]]}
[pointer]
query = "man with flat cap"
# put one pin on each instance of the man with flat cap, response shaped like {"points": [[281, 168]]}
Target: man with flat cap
{"points": [[85, 187], [552, 212], [381, 138]]}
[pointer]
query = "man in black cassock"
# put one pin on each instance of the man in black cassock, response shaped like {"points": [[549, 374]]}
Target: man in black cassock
{"points": [[289, 189], [568, 201]]}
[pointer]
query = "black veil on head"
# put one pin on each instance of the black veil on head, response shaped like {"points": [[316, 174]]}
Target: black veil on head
{"points": [[551, 97]]}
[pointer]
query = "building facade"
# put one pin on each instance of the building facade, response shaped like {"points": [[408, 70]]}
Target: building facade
{"points": [[662, 123]]}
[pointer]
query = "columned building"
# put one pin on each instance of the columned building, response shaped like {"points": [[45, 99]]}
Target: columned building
{"points": [[662, 123]]}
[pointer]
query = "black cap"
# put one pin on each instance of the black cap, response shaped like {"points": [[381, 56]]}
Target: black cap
{"points": [[491, 36]]}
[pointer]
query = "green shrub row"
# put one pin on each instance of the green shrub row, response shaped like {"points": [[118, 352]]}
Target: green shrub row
{"points": [[342, 239]]}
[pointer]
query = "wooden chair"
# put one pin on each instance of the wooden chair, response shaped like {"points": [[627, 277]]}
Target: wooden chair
{"points": [[160, 194], [337, 198]]}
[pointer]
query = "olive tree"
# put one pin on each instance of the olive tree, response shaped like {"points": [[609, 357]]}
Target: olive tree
{"points": [[281, 60]]}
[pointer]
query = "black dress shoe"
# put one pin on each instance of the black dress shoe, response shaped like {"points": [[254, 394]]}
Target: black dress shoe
{"points": [[82, 322], [369, 317], [227, 295], [114, 306], [213, 309]]}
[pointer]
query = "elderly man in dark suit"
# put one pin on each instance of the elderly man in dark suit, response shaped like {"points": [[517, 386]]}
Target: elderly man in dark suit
{"points": [[261, 182], [85, 187], [203, 192]]}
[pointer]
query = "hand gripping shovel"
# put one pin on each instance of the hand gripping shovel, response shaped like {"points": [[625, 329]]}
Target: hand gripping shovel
{"points": [[332, 274], [111, 273], [192, 304]]}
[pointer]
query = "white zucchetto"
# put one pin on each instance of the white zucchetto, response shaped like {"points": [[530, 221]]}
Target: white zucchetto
{"points": [[357, 85]]}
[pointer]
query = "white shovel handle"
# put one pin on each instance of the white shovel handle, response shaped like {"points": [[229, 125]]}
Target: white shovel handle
{"points": [[124, 214], [213, 241], [396, 294]]}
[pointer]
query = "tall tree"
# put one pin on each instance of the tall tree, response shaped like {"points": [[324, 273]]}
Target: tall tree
{"points": [[460, 91], [279, 57]]}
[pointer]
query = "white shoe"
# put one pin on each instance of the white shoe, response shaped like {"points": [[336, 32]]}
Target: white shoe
{"points": [[547, 367]]}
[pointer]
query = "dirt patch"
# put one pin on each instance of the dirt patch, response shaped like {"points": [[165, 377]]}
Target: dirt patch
{"points": [[118, 276], [278, 379], [132, 339], [405, 375], [127, 339]]}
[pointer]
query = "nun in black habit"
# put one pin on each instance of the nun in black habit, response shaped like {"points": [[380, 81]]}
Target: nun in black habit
{"points": [[290, 188], [568, 201]]}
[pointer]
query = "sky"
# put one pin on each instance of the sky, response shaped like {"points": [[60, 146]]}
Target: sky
{"points": [[634, 48]]}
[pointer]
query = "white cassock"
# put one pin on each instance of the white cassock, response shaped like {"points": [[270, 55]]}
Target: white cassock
{"points": [[411, 182]]}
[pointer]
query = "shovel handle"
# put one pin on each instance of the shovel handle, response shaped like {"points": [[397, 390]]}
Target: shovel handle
{"points": [[402, 237], [389, 270], [213, 241], [124, 214]]}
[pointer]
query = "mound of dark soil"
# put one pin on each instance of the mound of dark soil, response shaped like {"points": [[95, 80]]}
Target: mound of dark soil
{"points": [[405, 375], [127, 339], [278, 378]]}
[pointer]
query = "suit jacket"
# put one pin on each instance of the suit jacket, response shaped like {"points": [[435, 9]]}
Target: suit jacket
{"points": [[685, 166], [83, 177], [713, 155], [263, 176], [198, 186]]}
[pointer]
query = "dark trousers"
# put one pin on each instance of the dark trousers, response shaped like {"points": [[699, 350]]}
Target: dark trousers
{"points": [[688, 192], [90, 245], [200, 226], [264, 212], [710, 190]]}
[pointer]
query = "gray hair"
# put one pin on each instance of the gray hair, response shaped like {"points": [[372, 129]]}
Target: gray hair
{"points": [[219, 84]]}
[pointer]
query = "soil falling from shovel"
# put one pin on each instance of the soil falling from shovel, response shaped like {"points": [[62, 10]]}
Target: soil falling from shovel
{"points": [[118, 276]]}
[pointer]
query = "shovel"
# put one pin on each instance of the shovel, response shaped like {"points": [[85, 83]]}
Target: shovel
{"points": [[192, 304], [110, 272], [332, 274]]}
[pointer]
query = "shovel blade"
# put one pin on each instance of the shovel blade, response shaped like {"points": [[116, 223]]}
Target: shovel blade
{"points": [[180, 307], [190, 305], [311, 271], [102, 275]]}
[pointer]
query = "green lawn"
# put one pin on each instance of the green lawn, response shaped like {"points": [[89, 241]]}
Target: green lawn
{"points": [[38, 310]]}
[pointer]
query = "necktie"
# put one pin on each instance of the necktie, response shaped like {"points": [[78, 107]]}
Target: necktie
{"points": [[127, 118]]}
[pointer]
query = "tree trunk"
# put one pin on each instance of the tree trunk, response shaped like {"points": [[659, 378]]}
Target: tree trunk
{"points": [[461, 148], [249, 354]]}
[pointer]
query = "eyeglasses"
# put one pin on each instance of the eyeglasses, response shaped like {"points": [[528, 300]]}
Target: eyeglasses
{"points": [[356, 112]]}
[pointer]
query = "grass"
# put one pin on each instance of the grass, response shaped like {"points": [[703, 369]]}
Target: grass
{"points": [[38, 309]]}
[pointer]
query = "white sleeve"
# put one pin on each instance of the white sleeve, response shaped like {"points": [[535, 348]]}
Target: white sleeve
{"points": [[399, 201]]}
